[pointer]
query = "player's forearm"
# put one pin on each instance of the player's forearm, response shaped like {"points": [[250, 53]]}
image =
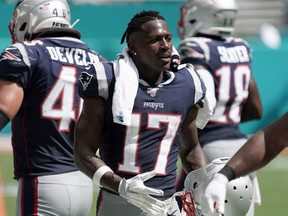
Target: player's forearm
{"points": [[11, 96], [249, 157], [86, 161], [259, 150], [111, 181], [89, 164], [195, 159], [262, 147], [85, 147]]}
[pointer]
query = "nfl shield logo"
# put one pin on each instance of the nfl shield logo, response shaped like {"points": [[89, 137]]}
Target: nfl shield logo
{"points": [[152, 91]]}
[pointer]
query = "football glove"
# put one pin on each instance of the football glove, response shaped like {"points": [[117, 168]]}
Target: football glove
{"points": [[136, 193], [214, 195]]}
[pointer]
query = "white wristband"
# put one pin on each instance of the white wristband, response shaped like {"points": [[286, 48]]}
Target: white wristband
{"points": [[99, 173]]}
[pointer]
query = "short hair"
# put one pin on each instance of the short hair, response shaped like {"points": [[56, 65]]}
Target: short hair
{"points": [[138, 20]]}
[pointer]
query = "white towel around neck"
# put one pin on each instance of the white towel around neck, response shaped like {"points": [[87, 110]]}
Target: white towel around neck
{"points": [[126, 87]]}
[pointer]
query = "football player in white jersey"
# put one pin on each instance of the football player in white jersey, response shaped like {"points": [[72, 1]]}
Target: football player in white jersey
{"points": [[224, 62]]}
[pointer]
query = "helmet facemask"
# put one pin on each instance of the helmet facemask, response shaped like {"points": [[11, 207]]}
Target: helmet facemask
{"points": [[238, 195]]}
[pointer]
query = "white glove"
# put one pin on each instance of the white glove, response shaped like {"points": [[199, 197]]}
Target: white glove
{"points": [[136, 193], [214, 195]]}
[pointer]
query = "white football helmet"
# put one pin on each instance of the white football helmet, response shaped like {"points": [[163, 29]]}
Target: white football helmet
{"points": [[213, 17], [33, 16], [238, 194]]}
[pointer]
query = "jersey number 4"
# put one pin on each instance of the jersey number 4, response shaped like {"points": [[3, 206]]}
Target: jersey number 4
{"points": [[60, 101]]}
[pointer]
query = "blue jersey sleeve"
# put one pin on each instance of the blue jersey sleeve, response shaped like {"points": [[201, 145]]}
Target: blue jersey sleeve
{"points": [[15, 64], [96, 81]]}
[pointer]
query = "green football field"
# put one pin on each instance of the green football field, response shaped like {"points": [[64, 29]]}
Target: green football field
{"points": [[272, 179]]}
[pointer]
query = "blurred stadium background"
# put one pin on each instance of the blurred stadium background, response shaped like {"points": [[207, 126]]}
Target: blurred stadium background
{"points": [[263, 23]]}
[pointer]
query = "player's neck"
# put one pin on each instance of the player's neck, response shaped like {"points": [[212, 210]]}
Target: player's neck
{"points": [[152, 80]]}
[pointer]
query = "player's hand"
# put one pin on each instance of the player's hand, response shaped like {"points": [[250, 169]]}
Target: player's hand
{"points": [[135, 192], [214, 195]]}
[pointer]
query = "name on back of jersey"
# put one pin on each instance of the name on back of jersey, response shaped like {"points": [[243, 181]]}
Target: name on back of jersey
{"points": [[72, 55], [237, 54]]}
